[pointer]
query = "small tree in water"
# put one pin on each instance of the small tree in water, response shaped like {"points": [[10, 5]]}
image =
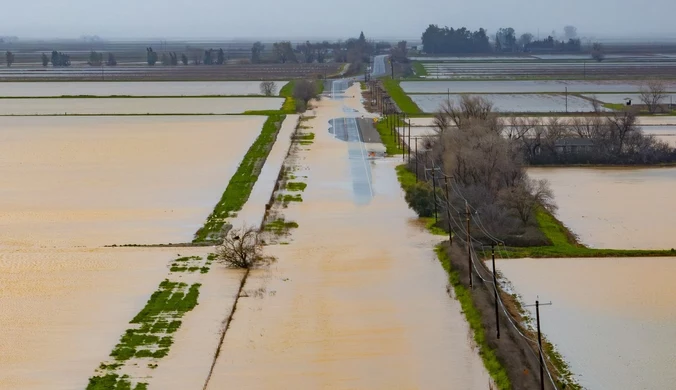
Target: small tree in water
{"points": [[268, 88], [243, 248]]}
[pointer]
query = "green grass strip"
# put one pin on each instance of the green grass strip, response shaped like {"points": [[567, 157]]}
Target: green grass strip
{"points": [[286, 92], [388, 139], [239, 188], [419, 69], [403, 101], [473, 317], [564, 244]]}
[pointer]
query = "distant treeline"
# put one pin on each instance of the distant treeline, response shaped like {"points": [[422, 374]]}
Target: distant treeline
{"points": [[445, 40]]}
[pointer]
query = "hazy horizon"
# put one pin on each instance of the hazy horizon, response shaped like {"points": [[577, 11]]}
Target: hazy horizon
{"points": [[210, 19]]}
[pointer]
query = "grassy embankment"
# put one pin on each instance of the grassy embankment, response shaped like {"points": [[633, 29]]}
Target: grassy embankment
{"points": [[419, 69], [403, 101], [239, 188], [151, 334], [564, 244], [388, 139]]}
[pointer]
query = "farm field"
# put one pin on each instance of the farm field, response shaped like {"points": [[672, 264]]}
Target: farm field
{"points": [[122, 88], [512, 103], [136, 106], [70, 186], [620, 98], [523, 86]]}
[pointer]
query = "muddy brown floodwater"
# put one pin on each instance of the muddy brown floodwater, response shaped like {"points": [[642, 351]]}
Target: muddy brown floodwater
{"points": [[357, 300], [614, 320], [618, 208], [68, 186]]}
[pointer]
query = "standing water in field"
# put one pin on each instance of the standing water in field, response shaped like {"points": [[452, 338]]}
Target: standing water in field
{"points": [[357, 299]]}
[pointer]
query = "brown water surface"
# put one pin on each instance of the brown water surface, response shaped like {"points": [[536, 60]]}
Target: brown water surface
{"points": [[357, 300], [620, 208], [71, 185], [614, 320]]}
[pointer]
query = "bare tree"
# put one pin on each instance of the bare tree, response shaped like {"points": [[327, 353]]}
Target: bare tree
{"points": [[470, 109], [652, 94], [303, 92], [243, 248], [597, 52], [268, 88], [570, 32], [524, 199]]}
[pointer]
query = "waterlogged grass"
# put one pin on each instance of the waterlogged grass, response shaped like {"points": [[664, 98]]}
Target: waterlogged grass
{"points": [[286, 92], [296, 186], [386, 137], [304, 138], [280, 226], [239, 188], [403, 101], [564, 244], [473, 317], [419, 69], [152, 334], [287, 198], [114, 382]]}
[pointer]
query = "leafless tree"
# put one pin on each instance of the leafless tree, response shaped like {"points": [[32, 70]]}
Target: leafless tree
{"points": [[652, 94], [598, 53], [243, 248], [268, 88], [468, 110], [303, 92], [524, 199]]}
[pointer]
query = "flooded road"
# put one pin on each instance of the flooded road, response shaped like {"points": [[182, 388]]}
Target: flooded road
{"points": [[614, 320], [618, 208], [69, 186], [357, 300]]}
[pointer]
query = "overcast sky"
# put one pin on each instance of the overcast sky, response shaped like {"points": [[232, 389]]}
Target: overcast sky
{"points": [[223, 19]]}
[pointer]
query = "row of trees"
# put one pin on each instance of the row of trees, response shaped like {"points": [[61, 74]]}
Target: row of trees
{"points": [[445, 40]]}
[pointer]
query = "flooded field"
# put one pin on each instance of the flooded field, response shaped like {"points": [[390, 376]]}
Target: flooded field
{"points": [[68, 186], [525, 86], [621, 98], [614, 320], [618, 208], [511, 103], [333, 312], [122, 88], [139, 106]]}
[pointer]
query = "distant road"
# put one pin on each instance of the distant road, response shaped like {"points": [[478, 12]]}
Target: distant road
{"points": [[379, 66]]}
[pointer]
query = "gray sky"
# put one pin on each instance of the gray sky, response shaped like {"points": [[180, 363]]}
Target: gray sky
{"points": [[298, 18]]}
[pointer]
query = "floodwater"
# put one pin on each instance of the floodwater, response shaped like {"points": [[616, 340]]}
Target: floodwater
{"points": [[621, 98], [614, 320], [524, 86], [357, 299], [68, 186], [618, 208], [511, 103], [156, 88], [139, 106]]}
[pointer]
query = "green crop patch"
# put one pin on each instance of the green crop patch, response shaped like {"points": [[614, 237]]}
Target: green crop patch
{"points": [[296, 186]]}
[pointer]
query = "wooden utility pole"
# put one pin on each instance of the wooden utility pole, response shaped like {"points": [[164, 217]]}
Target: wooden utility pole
{"points": [[434, 185], [448, 211], [469, 245], [542, 360], [416, 159], [495, 289]]}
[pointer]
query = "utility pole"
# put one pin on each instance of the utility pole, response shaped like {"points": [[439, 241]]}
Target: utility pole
{"points": [[542, 362], [434, 185], [403, 138], [566, 99], [416, 160], [469, 245], [409, 140], [448, 212], [392, 67], [495, 289]]}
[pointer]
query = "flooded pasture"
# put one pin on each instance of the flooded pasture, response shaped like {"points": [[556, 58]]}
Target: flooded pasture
{"points": [[511, 103], [131, 88], [357, 299], [523, 86], [618, 208], [137, 106], [69, 186], [614, 320]]}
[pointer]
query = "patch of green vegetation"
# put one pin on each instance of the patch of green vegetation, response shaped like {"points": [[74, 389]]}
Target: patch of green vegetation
{"points": [[279, 226], [305, 136], [240, 185], [431, 226], [289, 106], [204, 270], [287, 198], [113, 382], [403, 101], [419, 69], [564, 244], [614, 106], [296, 186], [320, 86], [473, 317], [386, 137], [363, 86]]}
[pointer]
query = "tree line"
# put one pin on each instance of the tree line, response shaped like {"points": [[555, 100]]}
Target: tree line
{"points": [[445, 40]]}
